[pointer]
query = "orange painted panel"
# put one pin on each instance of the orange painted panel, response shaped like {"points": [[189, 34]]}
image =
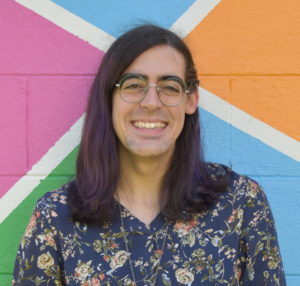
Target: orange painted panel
{"points": [[274, 100], [249, 36], [217, 85], [259, 38]]}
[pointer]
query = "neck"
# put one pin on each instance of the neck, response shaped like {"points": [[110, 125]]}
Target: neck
{"points": [[140, 184]]}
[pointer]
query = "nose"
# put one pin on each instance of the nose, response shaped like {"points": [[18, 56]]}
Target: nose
{"points": [[151, 99]]}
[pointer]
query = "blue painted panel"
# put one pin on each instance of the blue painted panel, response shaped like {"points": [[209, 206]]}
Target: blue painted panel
{"points": [[278, 174], [116, 17], [293, 280], [226, 144], [284, 197]]}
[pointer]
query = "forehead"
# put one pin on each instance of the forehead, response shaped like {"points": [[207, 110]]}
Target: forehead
{"points": [[158, 61]]}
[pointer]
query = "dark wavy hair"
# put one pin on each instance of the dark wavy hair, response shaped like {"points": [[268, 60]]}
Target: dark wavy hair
{"points": [[187, 186]]}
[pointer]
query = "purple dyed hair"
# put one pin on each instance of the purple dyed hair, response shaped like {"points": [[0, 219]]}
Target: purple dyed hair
{"points": [[187, 186]]}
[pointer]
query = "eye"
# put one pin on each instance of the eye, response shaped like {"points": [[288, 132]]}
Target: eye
{"points": [[133, 84], [171, 88]]}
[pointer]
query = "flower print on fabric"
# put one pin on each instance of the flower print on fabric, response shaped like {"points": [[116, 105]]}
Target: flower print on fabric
{"points": [[119, 259], [234, 243], [184, 276]]}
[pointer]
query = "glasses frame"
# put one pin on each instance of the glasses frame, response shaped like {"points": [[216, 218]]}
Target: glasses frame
{"points": [[146, 89]]}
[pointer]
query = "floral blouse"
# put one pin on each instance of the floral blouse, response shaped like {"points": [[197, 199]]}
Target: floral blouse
{"points": [[234, 243]]}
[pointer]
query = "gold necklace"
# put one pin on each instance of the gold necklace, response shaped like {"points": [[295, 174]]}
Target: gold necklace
{"points": [[122, 227]]}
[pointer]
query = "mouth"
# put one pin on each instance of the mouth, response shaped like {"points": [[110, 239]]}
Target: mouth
{"points": [[150, 125]]}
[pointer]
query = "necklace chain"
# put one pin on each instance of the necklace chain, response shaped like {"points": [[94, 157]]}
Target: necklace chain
{"points": [[127, 250]]}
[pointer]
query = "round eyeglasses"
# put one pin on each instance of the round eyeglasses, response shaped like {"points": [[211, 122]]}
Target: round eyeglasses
{"points": [[134, 87]]}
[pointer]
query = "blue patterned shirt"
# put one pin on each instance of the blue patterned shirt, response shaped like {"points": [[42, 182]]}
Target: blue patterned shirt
{"points": [[233, 243]]}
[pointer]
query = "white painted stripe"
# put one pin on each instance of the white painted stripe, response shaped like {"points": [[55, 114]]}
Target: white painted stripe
{"points": [[58, 152], [70, 22], [249, 124], [193, 16], [99, 38]]}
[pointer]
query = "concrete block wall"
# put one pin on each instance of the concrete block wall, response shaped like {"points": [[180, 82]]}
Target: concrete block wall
{"points": [[248, 58]]}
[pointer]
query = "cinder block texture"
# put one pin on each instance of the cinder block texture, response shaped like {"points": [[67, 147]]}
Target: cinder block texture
{"points": [[244, 153], [249, 37], [55, 103], [247, 53], [273, 100], [13, 126], [32, 48], [219, 85], [6, 182], [283, 194], [30, 44]]}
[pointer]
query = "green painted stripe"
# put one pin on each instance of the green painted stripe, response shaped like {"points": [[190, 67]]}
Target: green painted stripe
{"points": [[5, 279], [12, 229]]}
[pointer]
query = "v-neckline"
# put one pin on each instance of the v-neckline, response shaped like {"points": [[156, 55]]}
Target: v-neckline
{"points": [[137, 225]]}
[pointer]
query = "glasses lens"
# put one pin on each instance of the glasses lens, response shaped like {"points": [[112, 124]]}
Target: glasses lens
{"points": [[132, 89], [171, 92]]}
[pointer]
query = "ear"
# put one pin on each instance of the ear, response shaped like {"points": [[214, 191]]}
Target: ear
{"points": [[192, 102]]}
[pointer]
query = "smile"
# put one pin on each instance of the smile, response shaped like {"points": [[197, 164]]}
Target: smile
{"points": [[149, 125]]}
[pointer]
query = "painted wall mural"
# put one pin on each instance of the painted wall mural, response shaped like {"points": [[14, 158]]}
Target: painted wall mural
{"points": [[248, 58]]}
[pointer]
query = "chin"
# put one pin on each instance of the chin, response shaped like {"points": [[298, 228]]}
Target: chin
{"points": [[152, 152], [148, 149]]}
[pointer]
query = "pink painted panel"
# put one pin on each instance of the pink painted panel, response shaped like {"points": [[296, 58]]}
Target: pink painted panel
{"points": [[13, 154], [34, 48], [55, 103], [31, 44], [6, 182]]}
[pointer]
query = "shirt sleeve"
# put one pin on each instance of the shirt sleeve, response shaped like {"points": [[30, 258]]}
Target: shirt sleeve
{"points": [[261, 262], [38, 261]]}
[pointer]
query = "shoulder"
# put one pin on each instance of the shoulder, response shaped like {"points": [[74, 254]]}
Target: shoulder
{"points": [[244, 200], [217, 171], [240, 186], [54, 202]]}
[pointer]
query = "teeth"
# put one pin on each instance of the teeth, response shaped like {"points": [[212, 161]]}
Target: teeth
{"points": [[149, 125]]}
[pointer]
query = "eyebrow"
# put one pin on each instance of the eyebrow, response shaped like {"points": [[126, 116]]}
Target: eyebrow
{"points": [[163, 77]]}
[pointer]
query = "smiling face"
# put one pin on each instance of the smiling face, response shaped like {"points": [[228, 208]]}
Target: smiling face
{"points": [[149, 128]]}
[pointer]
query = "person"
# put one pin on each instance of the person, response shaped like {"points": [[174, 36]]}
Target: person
{"points": [[144, 207]]}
